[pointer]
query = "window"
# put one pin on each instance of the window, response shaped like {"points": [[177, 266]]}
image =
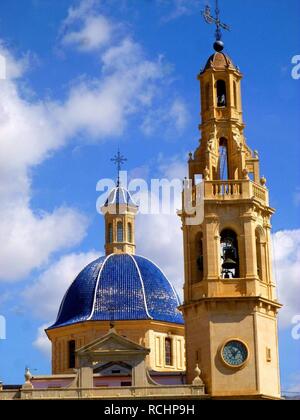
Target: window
{"points": [[199, 257], [72, 348], [223, 160], [229, 254], [120, 232], [168, 351], [221, 94], [129, 232], [110, 233]]}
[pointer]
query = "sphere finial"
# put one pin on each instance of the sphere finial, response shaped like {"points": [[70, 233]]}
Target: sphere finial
{"points": [[219, 46]]}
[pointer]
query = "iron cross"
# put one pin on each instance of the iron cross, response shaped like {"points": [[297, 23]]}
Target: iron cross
{"points": [[215, 20], [119, 160]]}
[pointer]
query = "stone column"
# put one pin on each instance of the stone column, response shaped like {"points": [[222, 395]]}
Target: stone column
{"points": [[139, 377], [86, 377]]}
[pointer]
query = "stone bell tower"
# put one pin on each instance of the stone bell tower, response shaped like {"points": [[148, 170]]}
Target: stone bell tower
{"points": [[230, 306]]}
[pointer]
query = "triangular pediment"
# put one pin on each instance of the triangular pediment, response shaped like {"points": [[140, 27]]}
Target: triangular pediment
{"points": [[113, 369], [112, 343]]}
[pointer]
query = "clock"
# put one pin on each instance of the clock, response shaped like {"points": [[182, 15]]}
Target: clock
{"points": [[235, 353]]}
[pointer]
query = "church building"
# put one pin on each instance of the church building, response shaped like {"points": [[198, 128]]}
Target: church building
{"points": [[127, 291], [121, 330]]}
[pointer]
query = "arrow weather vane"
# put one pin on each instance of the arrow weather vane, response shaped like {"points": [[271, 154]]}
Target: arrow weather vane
{"points": [[119, 160], [215, 20]]}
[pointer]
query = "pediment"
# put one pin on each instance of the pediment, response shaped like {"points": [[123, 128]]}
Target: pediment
{"points": [[112, 343], [113, 369]]}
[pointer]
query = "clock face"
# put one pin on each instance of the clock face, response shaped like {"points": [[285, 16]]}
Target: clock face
{"points": [[235, 353]]}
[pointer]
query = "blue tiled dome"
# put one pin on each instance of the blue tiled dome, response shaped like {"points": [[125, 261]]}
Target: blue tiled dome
{"points": [[120, 287]]}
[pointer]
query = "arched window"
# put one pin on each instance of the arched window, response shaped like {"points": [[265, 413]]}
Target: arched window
{"points": [[229, 255], [71, 350], [120, 234], [129, 232], [223, 160], [168, 351], [110, 233], [221, 94], [235, 94], [207, 89]]}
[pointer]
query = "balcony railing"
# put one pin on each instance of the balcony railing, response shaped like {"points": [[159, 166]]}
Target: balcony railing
{"points": [[238, 190]]}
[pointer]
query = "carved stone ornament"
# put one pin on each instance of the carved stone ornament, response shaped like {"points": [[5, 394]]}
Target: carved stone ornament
{"points": [[238, 139], [245, 174], [28, 377], [198, 381], [263, 181], [206, 174], [211, 143]]}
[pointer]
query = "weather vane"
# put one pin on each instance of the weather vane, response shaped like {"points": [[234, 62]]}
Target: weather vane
{"points": [[218, 46], [119, 160]]}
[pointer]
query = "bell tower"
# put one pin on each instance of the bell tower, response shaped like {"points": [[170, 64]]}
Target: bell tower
{"points": [[119, 213], [230, 305]]}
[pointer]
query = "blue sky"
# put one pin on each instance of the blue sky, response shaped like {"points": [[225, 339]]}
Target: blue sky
{"points": [[84, 78]]}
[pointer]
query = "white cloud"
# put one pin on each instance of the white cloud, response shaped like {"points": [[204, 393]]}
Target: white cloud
{"points": [[127, 86], [159, 237], [32, 130], [28, 135], [286, 252], [30, 239], [179, 8], [45, 295], [169, 120], [94, 33], [174, 167], [42, 342]]}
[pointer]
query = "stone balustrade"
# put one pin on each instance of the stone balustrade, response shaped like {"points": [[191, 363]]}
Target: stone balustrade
{"points": [[235, 190], [151, 392]]}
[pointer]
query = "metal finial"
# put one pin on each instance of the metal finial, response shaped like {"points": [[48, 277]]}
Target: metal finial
{"points": [[119, 160], [218, 45]]}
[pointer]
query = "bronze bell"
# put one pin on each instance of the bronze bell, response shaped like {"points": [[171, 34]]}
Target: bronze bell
{"points": [[229, 264]]}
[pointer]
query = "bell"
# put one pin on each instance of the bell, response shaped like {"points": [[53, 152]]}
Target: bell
{"points": [[229, 264]]}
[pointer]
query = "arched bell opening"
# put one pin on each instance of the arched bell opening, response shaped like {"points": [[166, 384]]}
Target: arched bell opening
{"points": [[221, 94], [223, 170], [198, 259], [230, 267], [120, 232]]}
